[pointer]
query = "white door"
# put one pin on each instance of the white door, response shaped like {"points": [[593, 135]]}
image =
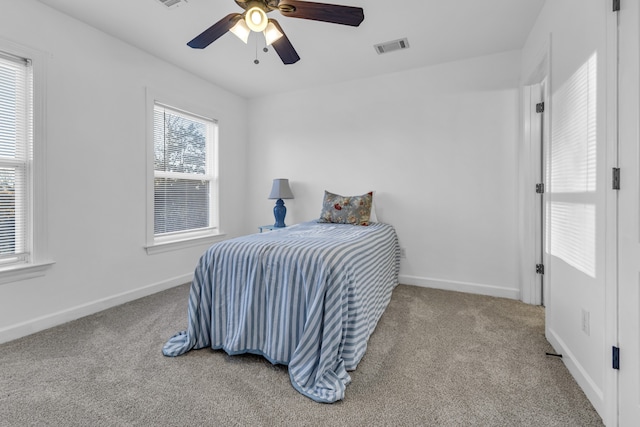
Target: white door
{"points": [[532, 208], [629, 217], [575, 204]]}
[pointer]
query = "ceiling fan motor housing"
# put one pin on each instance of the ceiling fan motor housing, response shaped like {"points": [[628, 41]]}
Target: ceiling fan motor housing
{"points": [[266, 6]]}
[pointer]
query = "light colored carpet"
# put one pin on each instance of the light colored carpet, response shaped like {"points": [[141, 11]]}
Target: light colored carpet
{"points": [[437, 358]]}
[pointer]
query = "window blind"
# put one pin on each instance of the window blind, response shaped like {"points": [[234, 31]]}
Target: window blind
{"points": [[183, 171], [16, 116]]}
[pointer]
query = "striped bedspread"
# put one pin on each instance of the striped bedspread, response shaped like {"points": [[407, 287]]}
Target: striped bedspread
{"points": [[307, 296]]}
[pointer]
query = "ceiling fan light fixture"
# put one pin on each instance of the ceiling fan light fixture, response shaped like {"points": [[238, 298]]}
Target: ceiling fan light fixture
{"points": [[256, 19], [241, 30], [271, 33]]}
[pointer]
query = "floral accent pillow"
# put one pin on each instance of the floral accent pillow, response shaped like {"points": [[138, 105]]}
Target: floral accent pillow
{"points": [[346, 209]]}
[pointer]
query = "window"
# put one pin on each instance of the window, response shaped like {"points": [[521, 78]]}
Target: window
{"points": [[185, 187], [23, 248], [16, 131]]}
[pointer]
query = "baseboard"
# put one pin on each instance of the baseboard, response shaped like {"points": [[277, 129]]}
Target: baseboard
{"points": [[41, 323], [588, 386], [469, 287], [45, 322]]}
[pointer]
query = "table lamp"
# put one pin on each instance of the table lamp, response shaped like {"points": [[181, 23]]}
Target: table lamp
{"points": [[280, 190]]}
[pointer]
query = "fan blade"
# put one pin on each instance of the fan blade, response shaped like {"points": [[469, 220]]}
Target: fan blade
{"points": [[334, 13], [215, 31], [283, 47]]}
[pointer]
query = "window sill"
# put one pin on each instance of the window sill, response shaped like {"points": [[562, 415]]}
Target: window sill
{"points": [[24, 271], [188, 242]]}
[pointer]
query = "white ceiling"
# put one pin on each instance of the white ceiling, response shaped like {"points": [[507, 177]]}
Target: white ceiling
{"points": [[438, 31]]}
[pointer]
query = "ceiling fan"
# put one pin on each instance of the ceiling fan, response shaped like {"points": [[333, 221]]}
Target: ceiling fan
{"points": [[255, 19]]}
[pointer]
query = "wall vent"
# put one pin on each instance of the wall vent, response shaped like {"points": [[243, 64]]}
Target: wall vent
{"points": [[171, 3], [391, 46]]}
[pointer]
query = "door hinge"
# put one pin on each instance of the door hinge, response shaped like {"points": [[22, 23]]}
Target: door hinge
{"points": [[616, 5], [540, 107], [615, 184], [540, 188], [539, 268], [615, 357]]}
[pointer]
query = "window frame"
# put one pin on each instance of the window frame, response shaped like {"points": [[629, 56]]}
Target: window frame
{"points": [[179, 240], [38, 261]]}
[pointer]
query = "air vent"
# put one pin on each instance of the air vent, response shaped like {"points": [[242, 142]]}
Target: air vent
{"points": [[391, 46], [171, 3]]}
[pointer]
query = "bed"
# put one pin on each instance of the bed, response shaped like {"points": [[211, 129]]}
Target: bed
{"points": [[308, 296]]}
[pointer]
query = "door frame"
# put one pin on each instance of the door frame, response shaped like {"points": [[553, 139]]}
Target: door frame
{"points": [[611, 386], [533, 285]]}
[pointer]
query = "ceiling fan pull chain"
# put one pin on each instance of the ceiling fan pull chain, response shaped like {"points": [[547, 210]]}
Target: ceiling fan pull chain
{"points": [[255, 61]]}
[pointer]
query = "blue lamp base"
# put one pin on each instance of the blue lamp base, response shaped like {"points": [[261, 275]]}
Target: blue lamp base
{"points": [[279, 211]]}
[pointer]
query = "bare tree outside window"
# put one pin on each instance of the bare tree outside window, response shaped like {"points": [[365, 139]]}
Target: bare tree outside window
{"points": [[182, 182]]}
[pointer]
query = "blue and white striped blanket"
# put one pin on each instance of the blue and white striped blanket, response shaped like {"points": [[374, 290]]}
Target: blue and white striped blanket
{"points": [[307, 296]]}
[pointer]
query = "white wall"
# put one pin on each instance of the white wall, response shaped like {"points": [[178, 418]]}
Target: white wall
{"points": [[437, 144], [95, 137], [572, 32]]}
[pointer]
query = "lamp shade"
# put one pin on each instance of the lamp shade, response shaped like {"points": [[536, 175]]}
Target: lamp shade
{"points": [[241, 30], [271, 33], [280, 189], [256, 19]]}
